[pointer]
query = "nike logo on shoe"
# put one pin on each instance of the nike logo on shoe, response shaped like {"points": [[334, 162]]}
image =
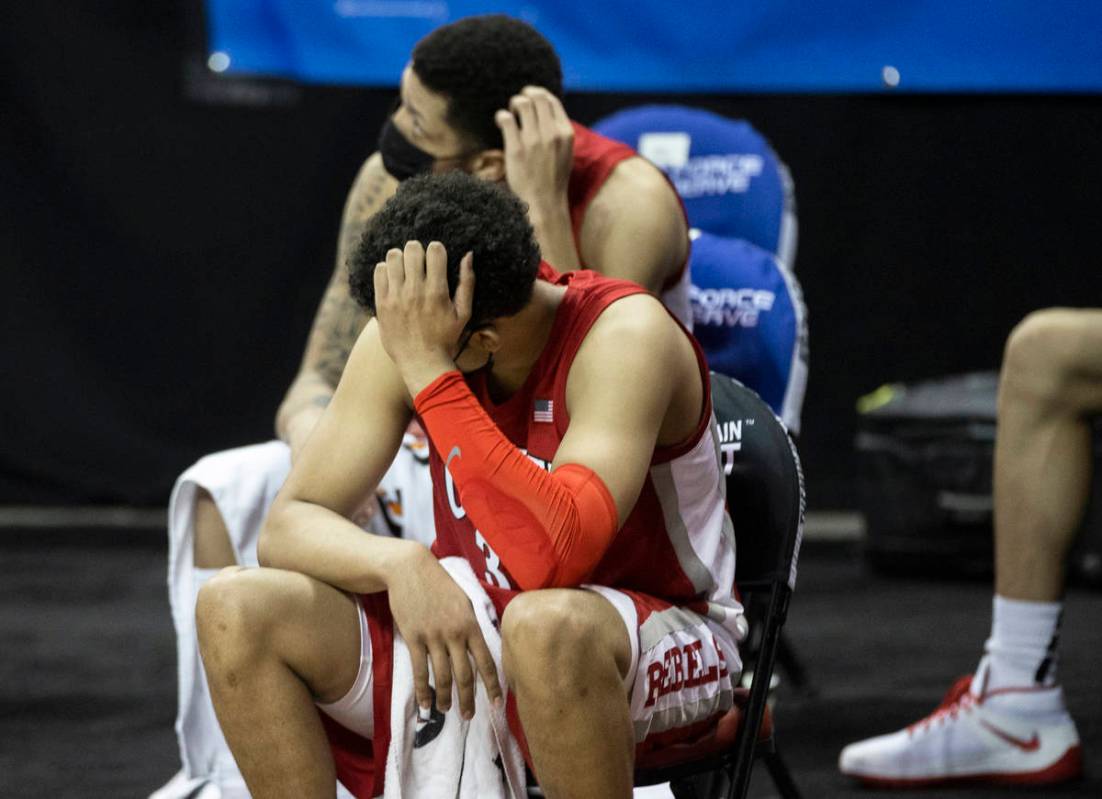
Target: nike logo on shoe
{"points": [[1025, 744]]}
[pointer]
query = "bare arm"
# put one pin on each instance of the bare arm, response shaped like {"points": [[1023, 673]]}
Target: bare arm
{"points": [[555, 234], [634, 228], [539, 151], [553, 529], [657, 369], [339, 318], [307, 529]]}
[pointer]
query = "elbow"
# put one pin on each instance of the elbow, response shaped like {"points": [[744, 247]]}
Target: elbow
{"points": [[556, 574], [539, 585], [264, 547], [574, 553], [535, 575], [282, 417], [534, 584], [268, 543], [292, 403]]}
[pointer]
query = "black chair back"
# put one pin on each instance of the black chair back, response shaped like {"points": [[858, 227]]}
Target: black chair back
{"points": [[765, 490], [765, 496]]}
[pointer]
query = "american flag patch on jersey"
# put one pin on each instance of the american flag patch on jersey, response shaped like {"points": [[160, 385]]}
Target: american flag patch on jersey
{"points": [[542, 410]]}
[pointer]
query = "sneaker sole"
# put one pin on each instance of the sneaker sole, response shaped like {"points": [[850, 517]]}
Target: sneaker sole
{"points": [[1068, 767]]}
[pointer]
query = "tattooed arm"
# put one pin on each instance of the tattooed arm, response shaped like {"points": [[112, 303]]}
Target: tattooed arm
{"points": [[339, 319]]}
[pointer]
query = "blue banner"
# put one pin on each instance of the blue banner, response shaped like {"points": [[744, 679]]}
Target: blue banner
{"points": [[695, 45]]}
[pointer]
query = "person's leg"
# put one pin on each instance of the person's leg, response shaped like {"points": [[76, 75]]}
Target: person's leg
{"points": [[212, 547], [204, 754], [1008, 722], [273, 643], [214, 519], [215, 515], [565, 655], [1051, 385]]}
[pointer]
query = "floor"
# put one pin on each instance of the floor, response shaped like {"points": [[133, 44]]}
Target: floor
{"points": [[87, 695]]}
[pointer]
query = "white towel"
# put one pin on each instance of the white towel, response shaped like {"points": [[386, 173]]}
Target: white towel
{"points": [[478, 759]]}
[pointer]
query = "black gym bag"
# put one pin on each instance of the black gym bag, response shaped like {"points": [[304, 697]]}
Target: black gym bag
{"points": [[925, 454]]}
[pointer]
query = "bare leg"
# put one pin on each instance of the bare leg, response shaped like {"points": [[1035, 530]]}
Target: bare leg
{"points": [[565, 655], [273, 642], [1051, 383], [213, 549]]}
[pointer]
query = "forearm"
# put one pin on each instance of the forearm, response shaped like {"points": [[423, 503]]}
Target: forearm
{"points": [[555, 234], [313, 540], [549, 529]]}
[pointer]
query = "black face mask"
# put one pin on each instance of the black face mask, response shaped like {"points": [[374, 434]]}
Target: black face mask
{"points": [[402, 158]]}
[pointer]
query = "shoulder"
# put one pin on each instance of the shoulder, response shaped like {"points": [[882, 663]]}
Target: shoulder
{"points": [[371, 170], [632, 361], [636, 186], [374, 166], [632, 329], [372, 185], [635, 227]]}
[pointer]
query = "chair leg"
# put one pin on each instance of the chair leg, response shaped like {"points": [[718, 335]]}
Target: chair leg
{"points": [[782, 777]]}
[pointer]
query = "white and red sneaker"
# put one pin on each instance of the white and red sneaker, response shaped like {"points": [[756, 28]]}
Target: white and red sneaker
{"points": [[1016, 736]]}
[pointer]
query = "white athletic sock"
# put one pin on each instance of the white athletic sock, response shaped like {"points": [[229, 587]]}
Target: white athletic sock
{"points": [[1021, 651]]}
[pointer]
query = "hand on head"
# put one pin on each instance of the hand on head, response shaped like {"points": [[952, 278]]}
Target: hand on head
{"points": [[539, 146], [420, 324]]}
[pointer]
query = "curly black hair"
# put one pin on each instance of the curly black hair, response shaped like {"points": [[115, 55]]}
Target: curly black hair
{"points": [[465, 214], [478, 63]]}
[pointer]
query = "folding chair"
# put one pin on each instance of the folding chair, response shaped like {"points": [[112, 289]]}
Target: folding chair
{"points": [[765, 495], [730, 179]]}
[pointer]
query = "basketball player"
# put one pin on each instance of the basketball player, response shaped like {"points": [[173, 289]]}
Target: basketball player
{"points": [[520, 386], [1008, 723], [482, 96]]}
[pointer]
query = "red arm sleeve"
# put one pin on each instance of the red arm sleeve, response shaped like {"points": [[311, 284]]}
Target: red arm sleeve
{"points": [[550, 529]]}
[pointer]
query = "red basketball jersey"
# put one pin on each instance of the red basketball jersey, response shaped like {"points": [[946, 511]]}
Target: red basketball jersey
{"points": [[677, 544], [594, 159]]}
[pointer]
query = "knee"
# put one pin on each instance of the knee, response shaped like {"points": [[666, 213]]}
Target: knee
{"points": [[548, 638], [230, 618], [1039, 356]]}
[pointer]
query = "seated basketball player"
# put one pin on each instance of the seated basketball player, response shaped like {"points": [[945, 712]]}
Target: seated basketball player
{"points": [[1007, 723], [482, 96], [544, 479]]}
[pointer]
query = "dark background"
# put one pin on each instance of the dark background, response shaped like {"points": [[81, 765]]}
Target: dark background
{"points": [[166, 234]]}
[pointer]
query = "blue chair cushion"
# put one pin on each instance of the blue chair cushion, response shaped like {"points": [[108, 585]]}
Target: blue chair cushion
{"points": [[731, 181], [749, 317]]}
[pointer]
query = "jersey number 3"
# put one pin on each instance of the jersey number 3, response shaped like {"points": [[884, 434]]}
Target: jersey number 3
{"points": [[493, 574]]}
